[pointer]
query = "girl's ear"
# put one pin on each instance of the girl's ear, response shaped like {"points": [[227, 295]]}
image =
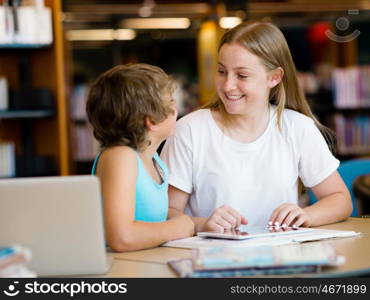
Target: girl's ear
{"points": [[150, 125], [275, 77]]}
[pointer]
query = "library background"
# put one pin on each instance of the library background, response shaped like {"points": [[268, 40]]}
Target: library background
{"points": [[52, 50]]}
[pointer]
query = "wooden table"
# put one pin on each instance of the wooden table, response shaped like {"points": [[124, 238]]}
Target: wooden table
{"points": [[361, 189], [151, 263]]}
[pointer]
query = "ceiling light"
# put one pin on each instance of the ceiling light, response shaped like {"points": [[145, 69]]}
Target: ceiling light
{"points": [[156, 23], [124, 34], [146, 9], [101, 34], [229, 22]]}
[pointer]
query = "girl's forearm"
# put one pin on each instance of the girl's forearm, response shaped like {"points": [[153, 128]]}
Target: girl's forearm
{"points": [[199, 222], [141, 235], [330, 209]]}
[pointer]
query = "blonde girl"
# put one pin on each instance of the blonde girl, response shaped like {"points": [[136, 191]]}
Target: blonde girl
{"points": [[240, 159]]}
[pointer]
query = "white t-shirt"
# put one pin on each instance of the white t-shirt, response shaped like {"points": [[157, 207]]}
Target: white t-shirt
{"points": [[253, 178]]}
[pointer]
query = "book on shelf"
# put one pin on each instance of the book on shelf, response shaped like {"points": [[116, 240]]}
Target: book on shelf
{"points": [[85, 146], [13, 261], [6, 25], [351, 87], [78, 102], [353, 134], [259, 260], [28, 23], [4, 99], [7, 159]]}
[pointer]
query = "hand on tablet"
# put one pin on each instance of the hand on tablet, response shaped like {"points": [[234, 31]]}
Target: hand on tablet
{"points": [[289, 215], [224, 218]]}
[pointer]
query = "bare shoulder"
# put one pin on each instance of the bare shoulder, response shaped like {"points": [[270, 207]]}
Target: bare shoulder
{"points": [[117, 157], [122, 151]]}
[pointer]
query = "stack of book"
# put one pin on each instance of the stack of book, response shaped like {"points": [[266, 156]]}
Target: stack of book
{"points": [[256, 261], [12, 262]]}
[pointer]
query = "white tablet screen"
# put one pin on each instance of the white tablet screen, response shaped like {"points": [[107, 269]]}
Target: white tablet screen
{"points": [[247, 232]]}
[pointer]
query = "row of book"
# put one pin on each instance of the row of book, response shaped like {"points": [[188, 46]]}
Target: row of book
{"points": [[257, 260], [84, 144], [351, 87], [13, 261], [7, 159], [353, 134], [28, 23]]}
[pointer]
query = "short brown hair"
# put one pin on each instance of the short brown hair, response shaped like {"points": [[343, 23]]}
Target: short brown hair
{"points": [[120, 100]]}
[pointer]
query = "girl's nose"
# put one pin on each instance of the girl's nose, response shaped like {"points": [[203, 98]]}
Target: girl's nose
{"points": [[229, 83]]}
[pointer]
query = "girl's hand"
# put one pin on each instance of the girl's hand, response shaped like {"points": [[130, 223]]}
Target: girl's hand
{"points": [[224, 218], [290, 215]]}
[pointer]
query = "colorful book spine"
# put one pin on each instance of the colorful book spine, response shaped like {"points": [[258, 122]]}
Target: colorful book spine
{"points": [[351, 87], [353, 134]]}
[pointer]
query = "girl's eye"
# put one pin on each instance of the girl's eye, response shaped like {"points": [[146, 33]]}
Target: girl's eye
{"points": [[242, 76], [221, 71]]}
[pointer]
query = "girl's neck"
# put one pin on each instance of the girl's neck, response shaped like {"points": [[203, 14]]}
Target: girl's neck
{"points": [[150, 164], [251, 120], [148, 153], [246, 128]]}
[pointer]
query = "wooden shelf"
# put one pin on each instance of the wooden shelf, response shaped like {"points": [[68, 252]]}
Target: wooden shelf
{"points": [[354, 151], [80, 121], [44, 132], [364, 109], [24, 46], [25, 114]]}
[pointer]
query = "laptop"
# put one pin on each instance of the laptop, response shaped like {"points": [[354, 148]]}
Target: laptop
{"points": [[59, 219]]}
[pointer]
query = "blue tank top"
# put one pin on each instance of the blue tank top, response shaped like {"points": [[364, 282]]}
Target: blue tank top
{"points": [[151, 203]]}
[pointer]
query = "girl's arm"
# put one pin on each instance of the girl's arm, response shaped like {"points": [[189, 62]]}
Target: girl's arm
{"points": [[223, 217], [177, 202], [334, 205], [117, 171]]}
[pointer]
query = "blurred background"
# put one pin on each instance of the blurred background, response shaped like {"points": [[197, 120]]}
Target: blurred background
{"points": [[52, 50]]}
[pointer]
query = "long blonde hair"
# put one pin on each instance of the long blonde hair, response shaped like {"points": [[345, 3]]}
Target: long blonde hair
{"points": [[268, 43]]}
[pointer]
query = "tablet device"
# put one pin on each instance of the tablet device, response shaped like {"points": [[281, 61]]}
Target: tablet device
{"points": [[248, 232]]}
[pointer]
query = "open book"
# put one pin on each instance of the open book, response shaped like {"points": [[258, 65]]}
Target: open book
{"points": [[260, 260], [311, 235]]}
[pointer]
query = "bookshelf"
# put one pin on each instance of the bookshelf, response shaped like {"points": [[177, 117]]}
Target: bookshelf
{"points": [[341, 99], [39, 130], [351, 117], [85, 147]]}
